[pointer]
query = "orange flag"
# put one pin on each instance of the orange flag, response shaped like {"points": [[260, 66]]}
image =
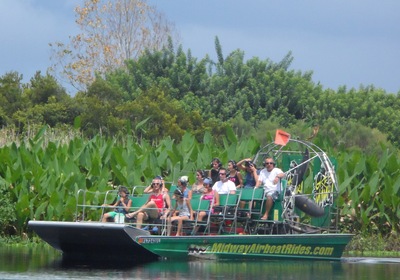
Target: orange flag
{"points": [[281, 137]]}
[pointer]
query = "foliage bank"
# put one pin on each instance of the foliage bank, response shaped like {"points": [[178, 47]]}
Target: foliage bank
{"points": [[41, 177], [373, 246]]}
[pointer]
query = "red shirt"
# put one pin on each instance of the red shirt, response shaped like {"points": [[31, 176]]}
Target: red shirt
{"points": [[158, 200]]}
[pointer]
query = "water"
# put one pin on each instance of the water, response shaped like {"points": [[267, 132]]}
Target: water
{"points": [[46, 263]]}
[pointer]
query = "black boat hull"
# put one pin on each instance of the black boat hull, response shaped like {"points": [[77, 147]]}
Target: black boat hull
{"points": [[94, 241]]}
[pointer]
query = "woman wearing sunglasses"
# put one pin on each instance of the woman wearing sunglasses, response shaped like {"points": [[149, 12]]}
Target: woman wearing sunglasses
{"points": [[157, 206]]}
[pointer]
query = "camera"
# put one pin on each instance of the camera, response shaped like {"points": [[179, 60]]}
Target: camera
{"points": [[248, 163]]}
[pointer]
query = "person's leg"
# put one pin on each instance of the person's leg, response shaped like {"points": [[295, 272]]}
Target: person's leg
{"points": [[201, 216], [108, 215], [180, 222], [151, 212], [171, 219], [150, 204], [141, 216], [268, 205], [105, 217]]}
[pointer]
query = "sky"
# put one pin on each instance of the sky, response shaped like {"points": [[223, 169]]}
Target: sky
{"points": [[343, 42]]}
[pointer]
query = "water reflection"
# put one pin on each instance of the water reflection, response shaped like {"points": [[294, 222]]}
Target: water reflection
{"points": [[240, 270], [23, 258], [20, 263]]}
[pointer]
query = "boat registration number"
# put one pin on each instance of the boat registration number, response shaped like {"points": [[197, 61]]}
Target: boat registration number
{"points": [[144, 240]]}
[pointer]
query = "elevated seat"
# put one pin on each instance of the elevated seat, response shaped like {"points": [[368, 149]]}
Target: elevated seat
{"points": [[225, 215], [250, 202], [274, 223], [191, 226]]}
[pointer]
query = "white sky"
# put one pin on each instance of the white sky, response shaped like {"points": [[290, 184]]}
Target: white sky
{"points": [[344, 42]]}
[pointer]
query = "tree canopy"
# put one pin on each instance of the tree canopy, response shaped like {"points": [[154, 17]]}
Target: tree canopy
{"points": [[164, 93]]}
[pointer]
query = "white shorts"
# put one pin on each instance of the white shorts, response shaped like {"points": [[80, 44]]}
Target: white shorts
{"points": [[273, 194]]}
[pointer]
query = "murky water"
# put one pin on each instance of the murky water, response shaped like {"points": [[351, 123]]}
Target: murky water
{"points": [[46, 263]]}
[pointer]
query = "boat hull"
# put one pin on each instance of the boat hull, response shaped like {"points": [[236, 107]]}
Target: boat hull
{"points": [[292, 246], [89, 241]]}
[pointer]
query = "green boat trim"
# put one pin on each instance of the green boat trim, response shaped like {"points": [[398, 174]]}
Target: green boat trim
{"points": [[295, 246]]}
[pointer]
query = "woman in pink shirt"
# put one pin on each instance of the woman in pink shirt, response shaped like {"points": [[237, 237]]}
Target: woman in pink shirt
{"points": [[211, 195], [154, 207]]}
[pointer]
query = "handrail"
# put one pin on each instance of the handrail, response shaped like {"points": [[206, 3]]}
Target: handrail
{"points": [[82, 194]]}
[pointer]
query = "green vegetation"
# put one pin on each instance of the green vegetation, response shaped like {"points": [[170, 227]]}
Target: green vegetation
{"points": [[374, 246], [40, 178]]}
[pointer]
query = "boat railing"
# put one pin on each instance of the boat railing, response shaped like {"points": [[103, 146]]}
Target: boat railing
{"points": [[138, 190], [283, 214], [90, 207], [89, 204]]}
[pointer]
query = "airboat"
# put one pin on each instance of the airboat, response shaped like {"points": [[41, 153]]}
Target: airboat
{"points": [[303, 223]]}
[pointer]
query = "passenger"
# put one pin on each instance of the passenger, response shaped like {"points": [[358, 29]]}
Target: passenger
{"points": [[224, 186], [122, 205], [251, 177], [157, 206], [182, 185], [182, 211], [250, 168], [234, 175], [211, 195], [214, 171], [198, 186], [270, 177], [149, 189]]}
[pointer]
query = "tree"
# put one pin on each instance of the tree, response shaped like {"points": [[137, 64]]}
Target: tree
{"points": [[45, 88], [112, 32], [10, 94]]}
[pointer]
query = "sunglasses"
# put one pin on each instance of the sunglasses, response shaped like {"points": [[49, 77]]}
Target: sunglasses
{"points": [[269, 163], [156, 183]]}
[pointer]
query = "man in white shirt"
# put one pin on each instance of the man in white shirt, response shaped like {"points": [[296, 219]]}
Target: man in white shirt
{"points": [[224, 186], [270, 177]]}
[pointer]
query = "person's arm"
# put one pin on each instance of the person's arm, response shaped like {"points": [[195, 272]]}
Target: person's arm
{"points": [[255, 173], [164, 188], [240, 177], [148, 189], [173, 211], [189, 205], [167, 200], [216, 199], [278, 177], [190, 194], [126, 206], [240, 164], [111, 205], [259, 180]]}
